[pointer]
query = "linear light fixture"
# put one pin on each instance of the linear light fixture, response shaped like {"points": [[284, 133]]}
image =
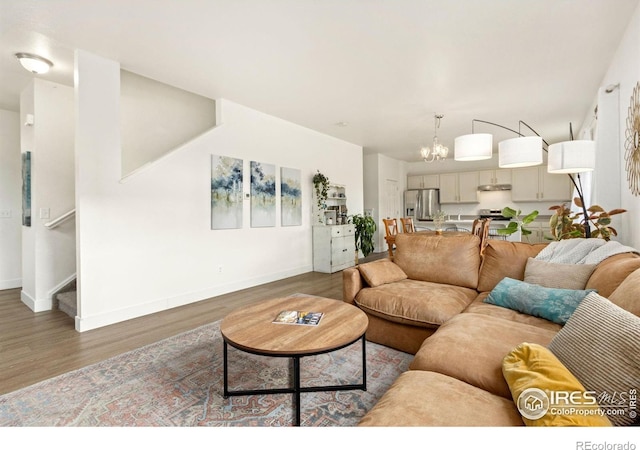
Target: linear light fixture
{"points": [[570, 157]]}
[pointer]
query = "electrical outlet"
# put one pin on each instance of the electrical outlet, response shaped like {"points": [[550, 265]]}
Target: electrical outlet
{"points": [[219, 269], [5, 214]]}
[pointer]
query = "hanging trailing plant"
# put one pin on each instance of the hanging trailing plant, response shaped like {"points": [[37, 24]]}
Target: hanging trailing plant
{"points": [[321, 186]]}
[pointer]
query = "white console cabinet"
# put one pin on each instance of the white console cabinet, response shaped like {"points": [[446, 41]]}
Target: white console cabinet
{"points": [[334, 247]]}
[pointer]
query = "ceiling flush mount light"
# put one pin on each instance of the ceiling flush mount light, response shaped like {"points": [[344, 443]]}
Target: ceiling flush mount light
{"points": [[438, 152], [34, 63]]}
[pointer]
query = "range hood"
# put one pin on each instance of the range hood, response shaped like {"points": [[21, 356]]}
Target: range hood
{"points": [[494, 187]]}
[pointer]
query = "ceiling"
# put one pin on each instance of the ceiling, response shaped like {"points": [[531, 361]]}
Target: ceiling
{"points": [[382, 67]]}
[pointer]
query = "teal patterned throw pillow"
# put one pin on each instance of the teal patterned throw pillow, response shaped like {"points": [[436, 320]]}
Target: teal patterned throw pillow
{"points": [[552, 304]]}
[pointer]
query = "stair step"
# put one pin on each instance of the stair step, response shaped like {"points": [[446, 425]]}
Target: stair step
{"points": [[68, 302]]}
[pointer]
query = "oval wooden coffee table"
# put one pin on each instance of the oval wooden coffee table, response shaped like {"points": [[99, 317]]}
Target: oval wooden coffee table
{"points": [[251, 329]]}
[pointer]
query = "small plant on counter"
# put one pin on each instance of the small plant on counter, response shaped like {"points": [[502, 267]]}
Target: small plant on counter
{"points": [[516, 222], [365, 227], [566, 224]]}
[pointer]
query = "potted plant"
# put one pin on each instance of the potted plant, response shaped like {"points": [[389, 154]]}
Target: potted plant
{"points": [[566, 224], [439, 219], [517, 223], [321, 186], [365, 227]]}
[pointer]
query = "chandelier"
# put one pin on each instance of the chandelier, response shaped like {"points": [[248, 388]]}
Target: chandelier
{"points": [[437, 152]]}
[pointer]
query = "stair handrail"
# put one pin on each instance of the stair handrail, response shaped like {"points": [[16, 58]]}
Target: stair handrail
{"points": [[58, 220]]}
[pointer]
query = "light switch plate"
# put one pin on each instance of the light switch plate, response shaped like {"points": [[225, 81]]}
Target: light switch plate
{"points": [[5, 214]]}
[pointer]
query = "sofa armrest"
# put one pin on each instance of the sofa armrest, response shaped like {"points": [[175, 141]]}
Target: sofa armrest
{"points": [[352, 283]]}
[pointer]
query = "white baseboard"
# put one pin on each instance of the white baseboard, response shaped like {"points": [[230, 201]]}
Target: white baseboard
{"points": [[84, 323], [10, 284], [36, 305]]}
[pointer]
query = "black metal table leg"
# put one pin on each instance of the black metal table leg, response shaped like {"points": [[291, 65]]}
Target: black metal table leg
{"points": [[296, 391], [225, 389], [364, 364]]}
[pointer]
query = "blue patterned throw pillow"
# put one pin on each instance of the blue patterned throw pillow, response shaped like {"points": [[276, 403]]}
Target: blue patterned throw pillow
{"points": [[552, 304]]}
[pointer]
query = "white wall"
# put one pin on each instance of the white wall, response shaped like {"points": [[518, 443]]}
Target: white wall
{"points": [[625, 70], [156, 118], [378, 169], [48, 256], [10, 201], [146, 245]]}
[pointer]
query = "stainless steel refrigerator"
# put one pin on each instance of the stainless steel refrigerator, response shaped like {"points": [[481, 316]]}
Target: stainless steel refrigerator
{"points": [[421, 204]]}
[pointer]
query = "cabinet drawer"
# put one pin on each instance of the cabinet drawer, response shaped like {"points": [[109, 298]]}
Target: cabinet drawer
{"points": [[342, 230]]}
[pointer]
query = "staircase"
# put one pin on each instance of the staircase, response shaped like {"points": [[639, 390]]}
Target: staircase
{"points": [[66, 299]]}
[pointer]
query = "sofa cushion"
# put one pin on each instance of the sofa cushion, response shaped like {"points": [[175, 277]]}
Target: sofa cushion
{"points": [[381, 272], [627, 295], [418, 398], [552, 275], [412, 302], [471, 347], [532, 373], [451, 260], [505, 259], [478, 306], [600, 345], [613, 271], [552, 304]]}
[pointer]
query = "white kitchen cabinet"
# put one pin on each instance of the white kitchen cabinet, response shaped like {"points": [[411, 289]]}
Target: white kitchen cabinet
{"points": [[334, 248], [423, 182], [538, 232], [459, 187], [535, 184], [498, 176]]}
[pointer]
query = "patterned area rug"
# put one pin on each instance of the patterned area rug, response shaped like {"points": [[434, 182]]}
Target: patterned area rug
{"points": [[178, 382]]}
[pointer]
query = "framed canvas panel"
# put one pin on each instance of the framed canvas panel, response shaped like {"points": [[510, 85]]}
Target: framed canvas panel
{"points": [[26, 189], [226, 192], [263, 195], [290, 197]]}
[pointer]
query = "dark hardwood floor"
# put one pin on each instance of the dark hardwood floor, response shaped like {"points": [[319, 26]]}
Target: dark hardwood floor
{"points": [[37, 346]]}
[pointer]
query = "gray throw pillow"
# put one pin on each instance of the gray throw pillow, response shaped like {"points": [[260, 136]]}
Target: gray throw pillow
{"points": [[553, 275], [600, 345]]}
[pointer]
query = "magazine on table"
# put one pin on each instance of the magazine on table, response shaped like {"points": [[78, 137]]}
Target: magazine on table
{"points": [[298, 317]]}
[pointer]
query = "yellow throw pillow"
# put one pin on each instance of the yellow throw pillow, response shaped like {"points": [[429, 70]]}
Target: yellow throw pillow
{"points": [[546, 393]]}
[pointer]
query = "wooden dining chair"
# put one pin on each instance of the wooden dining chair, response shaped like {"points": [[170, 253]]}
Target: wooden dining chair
{"points": [[481, 229], [391, 230], [407, 225], [476, 228]]}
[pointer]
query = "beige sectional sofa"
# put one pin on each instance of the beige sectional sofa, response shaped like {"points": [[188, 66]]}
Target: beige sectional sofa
{"points": [[430, 301]]}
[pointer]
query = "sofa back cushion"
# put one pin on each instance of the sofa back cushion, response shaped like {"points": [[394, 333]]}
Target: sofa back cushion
{"points": [[453, 260], [627, 295], [612, 271], [505, 259]]}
